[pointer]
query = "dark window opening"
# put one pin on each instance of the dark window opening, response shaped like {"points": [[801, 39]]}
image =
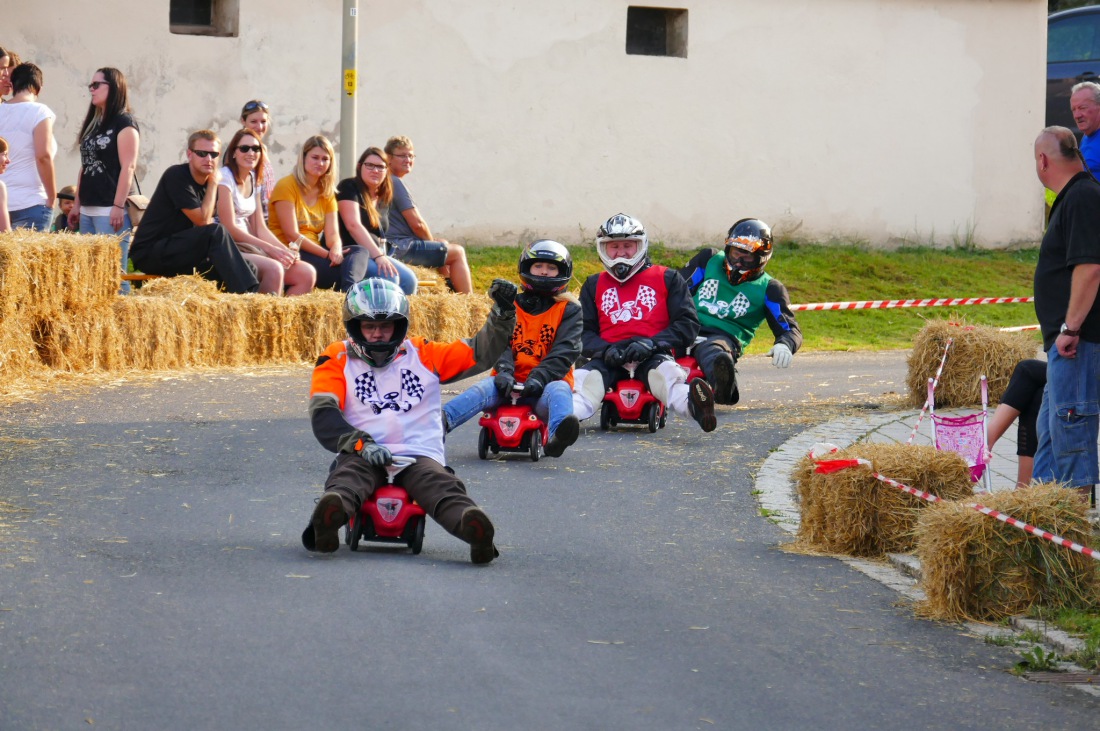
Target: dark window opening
{"points": [[204, 17], [656, 31], [191, 12]]}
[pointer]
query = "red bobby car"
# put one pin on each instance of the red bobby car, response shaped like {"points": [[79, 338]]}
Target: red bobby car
{"points": [[512, 427], [630, 401], [389, 515]]}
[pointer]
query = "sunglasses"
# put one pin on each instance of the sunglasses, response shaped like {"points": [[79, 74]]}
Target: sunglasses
{"points": [[96, 84], [206, 153], [253, 106], [249, 148]]}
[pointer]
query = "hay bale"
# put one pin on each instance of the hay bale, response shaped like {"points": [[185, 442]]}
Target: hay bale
{"points": [[446, 317], [51, 274], [851, 512], [976, 350], [976, 567]]}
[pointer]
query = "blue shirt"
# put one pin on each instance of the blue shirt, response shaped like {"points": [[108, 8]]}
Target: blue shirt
{"points": [[1090, 148]]}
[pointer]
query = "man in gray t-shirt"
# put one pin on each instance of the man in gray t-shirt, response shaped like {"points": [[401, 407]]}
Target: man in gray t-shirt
{"points": [[409, 234]]}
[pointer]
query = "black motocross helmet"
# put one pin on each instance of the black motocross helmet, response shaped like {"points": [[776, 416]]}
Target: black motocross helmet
{"points": [[376, 300], [548, 251], [748, 249]]}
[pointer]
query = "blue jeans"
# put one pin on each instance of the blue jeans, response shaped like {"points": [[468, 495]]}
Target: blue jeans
{"points": [[35, 217], [555, 403], [1069, 419], [406, 280], [102, 225], [430, 254]]}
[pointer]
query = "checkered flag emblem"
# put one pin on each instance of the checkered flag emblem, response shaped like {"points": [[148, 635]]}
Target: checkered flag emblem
{"points": [[366, 388], [610, 301], [647, 297], [740, 305], [410, 386], [709, 290], [546, 335]]}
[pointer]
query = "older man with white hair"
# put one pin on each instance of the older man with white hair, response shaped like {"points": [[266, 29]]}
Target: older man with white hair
{"points": [[1084, 103]]}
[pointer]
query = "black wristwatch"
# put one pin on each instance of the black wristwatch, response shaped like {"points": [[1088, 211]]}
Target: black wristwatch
{"points": [[1066, 331]]}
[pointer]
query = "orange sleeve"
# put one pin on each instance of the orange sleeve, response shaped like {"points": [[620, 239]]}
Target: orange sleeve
{"points": [[446, 359], [328, 374]]}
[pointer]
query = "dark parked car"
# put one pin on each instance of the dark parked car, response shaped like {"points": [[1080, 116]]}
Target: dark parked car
{"points": [[1073, 55]]}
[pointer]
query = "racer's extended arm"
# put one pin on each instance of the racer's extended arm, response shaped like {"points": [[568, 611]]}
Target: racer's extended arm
{"points": [[470, 356], [779, 316], [326, 395], [565, 349], [694, 270]]}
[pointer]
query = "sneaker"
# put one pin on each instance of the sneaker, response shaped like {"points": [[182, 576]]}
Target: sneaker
{"points": [[564, 436], [328, 517], [725, 381], [477, 530], [701, 404]]}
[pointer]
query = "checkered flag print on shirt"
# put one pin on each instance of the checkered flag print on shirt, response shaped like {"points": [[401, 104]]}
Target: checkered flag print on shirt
{"points": [[366, 389], [410, 384]]}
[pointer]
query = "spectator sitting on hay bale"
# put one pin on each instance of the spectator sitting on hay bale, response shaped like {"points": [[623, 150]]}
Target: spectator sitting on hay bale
{"points": [[239, 210], [409, 233], [178, 235], [304, 216]]}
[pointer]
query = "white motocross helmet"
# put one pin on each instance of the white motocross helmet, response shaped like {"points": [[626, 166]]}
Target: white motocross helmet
{"points": [[622, 227]]}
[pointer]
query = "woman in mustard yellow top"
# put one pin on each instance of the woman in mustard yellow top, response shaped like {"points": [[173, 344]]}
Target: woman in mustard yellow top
{"points": [[304, 212]]}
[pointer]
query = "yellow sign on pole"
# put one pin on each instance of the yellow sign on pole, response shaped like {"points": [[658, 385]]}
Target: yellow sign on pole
{"points": [[349, 82]]}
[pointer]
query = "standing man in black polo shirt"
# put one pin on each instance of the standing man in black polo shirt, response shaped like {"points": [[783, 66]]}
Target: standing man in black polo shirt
{"points": [[178, 235], [1067, 277]]}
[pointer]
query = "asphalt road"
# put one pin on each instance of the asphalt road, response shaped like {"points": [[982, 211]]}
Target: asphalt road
{"points": [[151, 576]]}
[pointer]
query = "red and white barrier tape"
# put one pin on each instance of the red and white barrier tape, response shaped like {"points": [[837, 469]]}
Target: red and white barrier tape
{"points": [[935, 382], [1018, 328], [826, 466], [890, 304]]}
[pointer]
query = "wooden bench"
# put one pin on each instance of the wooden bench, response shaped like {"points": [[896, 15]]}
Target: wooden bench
{"points": [[139, 276]]}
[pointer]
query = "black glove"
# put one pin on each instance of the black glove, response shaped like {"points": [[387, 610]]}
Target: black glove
{"points": [[532, 387], [503, 293], [640, 350], [615, 354], [375, 454], [504, 383]]}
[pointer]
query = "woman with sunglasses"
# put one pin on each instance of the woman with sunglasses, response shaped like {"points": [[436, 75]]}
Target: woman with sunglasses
{"points": [[256, 117], [239, 211], [304, 213], [364, 203], [109, 143]]}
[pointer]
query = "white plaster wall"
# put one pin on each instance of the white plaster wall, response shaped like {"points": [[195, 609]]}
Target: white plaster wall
{"points": [[883, 121]]}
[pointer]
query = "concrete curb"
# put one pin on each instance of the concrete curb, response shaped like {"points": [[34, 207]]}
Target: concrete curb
{"points": [[775, 493]]}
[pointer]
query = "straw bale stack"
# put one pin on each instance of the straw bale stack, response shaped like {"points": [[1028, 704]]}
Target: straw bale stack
{"points": [[976, 350], [49, 274], [59, 311], [851, 512], [976, 567]]}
